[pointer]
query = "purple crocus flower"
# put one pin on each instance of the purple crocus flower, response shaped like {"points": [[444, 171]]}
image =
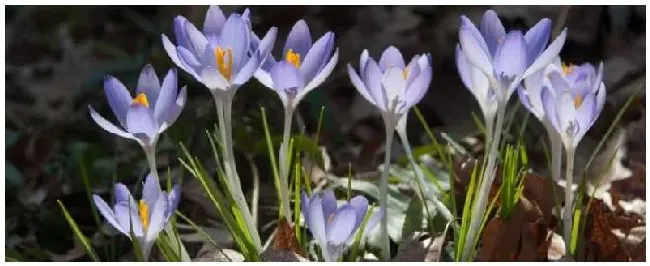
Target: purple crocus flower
{"points": [[219, 57], [302, 67], [144, 117], [334, 227], [573, 101], [147, 217], [391, 85], [506, 58]]}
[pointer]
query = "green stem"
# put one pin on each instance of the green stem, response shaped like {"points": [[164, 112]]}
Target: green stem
{"points": [[389, 123], [568, 198], [284, 164], [489, 173]]}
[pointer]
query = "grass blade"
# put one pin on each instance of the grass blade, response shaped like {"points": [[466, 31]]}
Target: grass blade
{"points": [[77, 232]]}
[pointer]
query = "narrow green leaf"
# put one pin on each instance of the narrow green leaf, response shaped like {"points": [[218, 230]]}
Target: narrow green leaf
{"points": [[77, 232]]}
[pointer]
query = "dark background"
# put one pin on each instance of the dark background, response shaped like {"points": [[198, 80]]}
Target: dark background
{"points": [[56, 58]]}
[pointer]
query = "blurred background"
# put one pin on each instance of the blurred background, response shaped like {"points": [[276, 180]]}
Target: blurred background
{"points": [[57, 56]]}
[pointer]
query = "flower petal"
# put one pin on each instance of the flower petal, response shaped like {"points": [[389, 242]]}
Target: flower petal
{"points": [[317, 57], [585, 116], [173, 199], [321, 76], [213, 79], [391, 57], [558, 83], [151, 189], [394, 84], [197, 40], [236, 36], [550, 112], [492, 30], [175, 110], [548, 55], [149, 84], [463, 68], [246, 72], [363, 60], [416, 90], [304, 204], [167, 96], [566, 116], [108, 214], [179, 31], [157, 217], [172, 52], [214, 20], [536, 39], [298, 40], [286, 77], [374, 220], [342, 225], [118, 98], [266, 45], [123, 195], [510, 59], [360, 204], [108, 126], [316, 221], [141, 123], [372, 78], [329, 203], [128, 217], [475, 48], [358, 84]]}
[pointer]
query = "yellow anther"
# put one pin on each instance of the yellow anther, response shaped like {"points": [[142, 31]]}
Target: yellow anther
{"points": [[143, 209], [577, 102], [293, 58], [141, 99], [224, 61], [567, 68], [405, 72]]}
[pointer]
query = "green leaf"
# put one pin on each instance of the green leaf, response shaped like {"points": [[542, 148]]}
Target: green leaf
{"points": [[77, 232], [413, 221]]}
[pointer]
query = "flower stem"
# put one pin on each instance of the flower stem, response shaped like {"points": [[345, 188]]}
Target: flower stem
{"points": [[389, 123], [568, 198], [420, 178], [489, 173], [150, 153], [284, 165], [223, 102]]}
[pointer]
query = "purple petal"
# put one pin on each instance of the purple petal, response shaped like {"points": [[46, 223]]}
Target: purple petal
{"points": [[316, 221], [118, 98], [492, 30], [372, 78], [108, 126], [167, 96], [151, 189], [149, 84], [358, 84], [585, 116], [566, 114], [321, 76], [550, 112], [601, 96], [190, 59], [475, 48], [179, 30], [363, 60], [531, 96], [329, 203], [197, 40], [510, 59], [463, 68], [558, 83], [214, 20], [298, 40], [341, 225], [536, 39], [175, 110], [391, 57], [286, 77], [173, 199], [246, 72], [157, 217], [266, 45], [236, 36], [172, 52], [394, 84], [141, 123], [123, 195], [108, 214], [304, 204], [416, 91], [599, 78], [548, 55], [317, 57], [360, 204], [212, 78], [374, 220], [129, 216], [412, 70]]}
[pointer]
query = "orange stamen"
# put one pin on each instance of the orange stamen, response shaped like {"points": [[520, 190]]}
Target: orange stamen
{"points": [[224, 61], [141, 99], [143, 209], [293, 58]]}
